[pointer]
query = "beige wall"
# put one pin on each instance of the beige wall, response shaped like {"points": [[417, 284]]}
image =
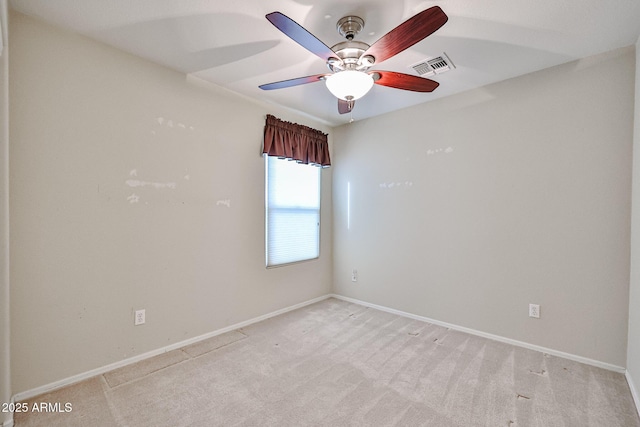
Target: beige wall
{"points": [[5, 366], [120, 175], [468, 208], [633, 353]]}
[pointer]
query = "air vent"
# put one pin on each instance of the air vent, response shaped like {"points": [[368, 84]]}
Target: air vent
{"points": [[431, 66]]}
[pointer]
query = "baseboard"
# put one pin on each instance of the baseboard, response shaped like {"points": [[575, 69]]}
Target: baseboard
{"points": [[553, 352], [99, 371], [634, 391]]}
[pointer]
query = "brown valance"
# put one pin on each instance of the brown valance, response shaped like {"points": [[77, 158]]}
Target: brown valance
{"points": [[297, 142]]}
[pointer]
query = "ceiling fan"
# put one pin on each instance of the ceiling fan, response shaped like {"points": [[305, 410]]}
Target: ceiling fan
{"points": [[349, 61]]}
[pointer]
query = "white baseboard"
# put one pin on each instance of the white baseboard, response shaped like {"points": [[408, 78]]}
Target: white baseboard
{"points": [[99, 371], [634, 391], [553, 352]]}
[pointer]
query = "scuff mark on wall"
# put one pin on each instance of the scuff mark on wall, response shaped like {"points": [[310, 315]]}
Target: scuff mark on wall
{"points": [[170, 123], [390, 185], [447, 150], [137, 183], [157, 185]]}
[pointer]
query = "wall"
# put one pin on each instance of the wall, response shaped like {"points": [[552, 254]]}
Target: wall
{"points": [[468, 208], [132, 187], [633, 353], [5, 366]]}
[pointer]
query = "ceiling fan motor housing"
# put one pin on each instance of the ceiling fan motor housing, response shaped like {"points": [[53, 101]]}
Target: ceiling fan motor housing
{"points": [[349, 52]]}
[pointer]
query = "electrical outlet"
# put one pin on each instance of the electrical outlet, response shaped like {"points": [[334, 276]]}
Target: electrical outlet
{"points": [[354, 275], [139, 318], [534, 310]]}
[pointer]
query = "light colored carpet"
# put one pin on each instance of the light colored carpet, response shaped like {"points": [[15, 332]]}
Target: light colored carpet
{"points": [[339, 364]]}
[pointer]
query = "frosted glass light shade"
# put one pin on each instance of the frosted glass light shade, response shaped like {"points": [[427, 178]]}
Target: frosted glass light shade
{"points": [[349, 84]]}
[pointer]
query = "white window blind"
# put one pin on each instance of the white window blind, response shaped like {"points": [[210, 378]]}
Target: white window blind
{"points": [[292, 211]]}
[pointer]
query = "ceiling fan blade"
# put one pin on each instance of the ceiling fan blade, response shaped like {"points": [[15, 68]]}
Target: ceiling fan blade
{"points": [[404, 81], [300, 35], [292, 82], [407, 34], [345, 107]]}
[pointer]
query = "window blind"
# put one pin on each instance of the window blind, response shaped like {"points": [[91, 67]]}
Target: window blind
{"points": [[292, 203]]}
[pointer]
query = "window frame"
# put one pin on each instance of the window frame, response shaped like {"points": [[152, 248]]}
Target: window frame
{"points": [[267, 209]]}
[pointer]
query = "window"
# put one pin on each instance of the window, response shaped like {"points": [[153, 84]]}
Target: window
{"points": [[292, 204]]}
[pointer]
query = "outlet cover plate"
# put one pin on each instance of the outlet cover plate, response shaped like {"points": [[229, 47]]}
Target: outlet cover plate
{"points": [[534, 311], [139, 318]]}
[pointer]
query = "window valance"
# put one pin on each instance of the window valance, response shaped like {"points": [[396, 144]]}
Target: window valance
{"points": [[297, 142]]}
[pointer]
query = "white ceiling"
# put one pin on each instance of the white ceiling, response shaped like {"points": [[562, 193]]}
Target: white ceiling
{"points": [[230, 43]]}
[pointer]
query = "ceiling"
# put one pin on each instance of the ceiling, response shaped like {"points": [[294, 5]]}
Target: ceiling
{"points": [[231, 44]]}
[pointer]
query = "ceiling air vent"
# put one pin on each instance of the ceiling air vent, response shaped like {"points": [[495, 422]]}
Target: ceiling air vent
{"points": [[430, 66]]}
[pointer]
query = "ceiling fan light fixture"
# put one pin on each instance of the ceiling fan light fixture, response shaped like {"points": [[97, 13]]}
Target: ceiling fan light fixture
{"points": [[349, 85]]}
